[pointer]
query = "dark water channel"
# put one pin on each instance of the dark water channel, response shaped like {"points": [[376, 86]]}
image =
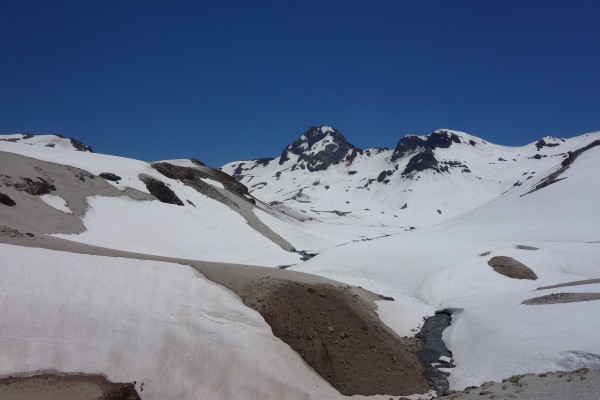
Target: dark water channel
{"points": [[434, 348]]}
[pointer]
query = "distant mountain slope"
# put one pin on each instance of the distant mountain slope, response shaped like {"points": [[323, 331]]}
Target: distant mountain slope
{"points": [[424, 180], [52, 141], [549, 223]]}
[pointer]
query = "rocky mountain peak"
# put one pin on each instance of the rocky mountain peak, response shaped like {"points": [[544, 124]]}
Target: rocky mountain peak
{"points": [[318, 148]]}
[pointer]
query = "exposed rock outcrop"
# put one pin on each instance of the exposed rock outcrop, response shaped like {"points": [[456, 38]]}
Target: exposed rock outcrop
{"points": [[441, 139], [6, 200], [511, 268], [161, 191], [109, 176]]}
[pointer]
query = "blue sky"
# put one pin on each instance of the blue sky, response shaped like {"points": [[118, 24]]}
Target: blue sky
{"points": [[230, 80]]}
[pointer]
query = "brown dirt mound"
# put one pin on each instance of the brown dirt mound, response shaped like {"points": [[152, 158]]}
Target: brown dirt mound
{"points": [[512, 268], [66, 387], [341, 338]]}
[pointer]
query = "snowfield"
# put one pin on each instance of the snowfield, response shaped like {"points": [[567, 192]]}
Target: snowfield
{"points": [[166, 325], [161, 324], [494, 336]]}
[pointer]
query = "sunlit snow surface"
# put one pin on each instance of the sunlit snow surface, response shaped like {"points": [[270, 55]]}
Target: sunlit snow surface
{"points": [[57, 202], [494, 336], [158, 323], [211, 344]]}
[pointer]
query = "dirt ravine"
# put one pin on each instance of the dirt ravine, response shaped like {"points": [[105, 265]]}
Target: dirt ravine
{"points": [[339, 336]]}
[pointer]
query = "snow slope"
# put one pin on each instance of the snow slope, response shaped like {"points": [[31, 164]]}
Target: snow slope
{"points": [[50, 141], [158, 323], [205, 230], [167, 326], [445, 266], [425, 180]]}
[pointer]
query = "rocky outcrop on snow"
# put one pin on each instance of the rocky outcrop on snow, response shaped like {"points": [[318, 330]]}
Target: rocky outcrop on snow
{"points": [[440, 139], [511, 268], [160, 190]]}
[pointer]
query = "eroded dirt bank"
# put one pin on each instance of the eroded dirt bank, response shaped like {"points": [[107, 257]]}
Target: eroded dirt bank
{"points": [[339, 336], [65, 387]]}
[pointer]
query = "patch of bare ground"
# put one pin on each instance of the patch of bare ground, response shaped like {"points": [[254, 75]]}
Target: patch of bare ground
{"points": [[581, 384], [511, 268], [572, 283], [65, 387], [555, 298], [339, 336], [523, 247]]}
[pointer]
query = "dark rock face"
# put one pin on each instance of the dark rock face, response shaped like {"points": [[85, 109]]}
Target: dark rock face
{"points": [[161, 191], [79, 146], [542, 143], [420, 162], [109, 176], [406, 145], [192, 177], [263, 161], [437, 140], [125, 391], [383, 175], [6, 200], [36, 188], [334, 150]]}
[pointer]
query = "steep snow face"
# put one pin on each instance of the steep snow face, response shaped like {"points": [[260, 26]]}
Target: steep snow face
{"points": [[52, 141], [554, 231], [425, 180]]}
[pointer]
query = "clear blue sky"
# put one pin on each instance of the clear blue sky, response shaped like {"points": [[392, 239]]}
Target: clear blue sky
{"points": [[229, 80]]}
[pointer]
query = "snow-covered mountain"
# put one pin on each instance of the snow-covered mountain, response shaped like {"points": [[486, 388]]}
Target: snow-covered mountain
{"points": [[424, 180], [125, 268], [52, 141]]}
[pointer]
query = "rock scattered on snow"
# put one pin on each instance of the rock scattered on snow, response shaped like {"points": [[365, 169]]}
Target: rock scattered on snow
{"points": [[511, 268]]}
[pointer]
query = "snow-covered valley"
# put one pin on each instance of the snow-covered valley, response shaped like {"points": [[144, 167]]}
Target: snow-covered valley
{"points": [[152, 272]]}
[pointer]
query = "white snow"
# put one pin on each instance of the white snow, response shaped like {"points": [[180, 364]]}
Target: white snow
{"points": [[362, 235], [206, 232], [213, 183], [57, 202], [158, 323], [494, 336]]}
